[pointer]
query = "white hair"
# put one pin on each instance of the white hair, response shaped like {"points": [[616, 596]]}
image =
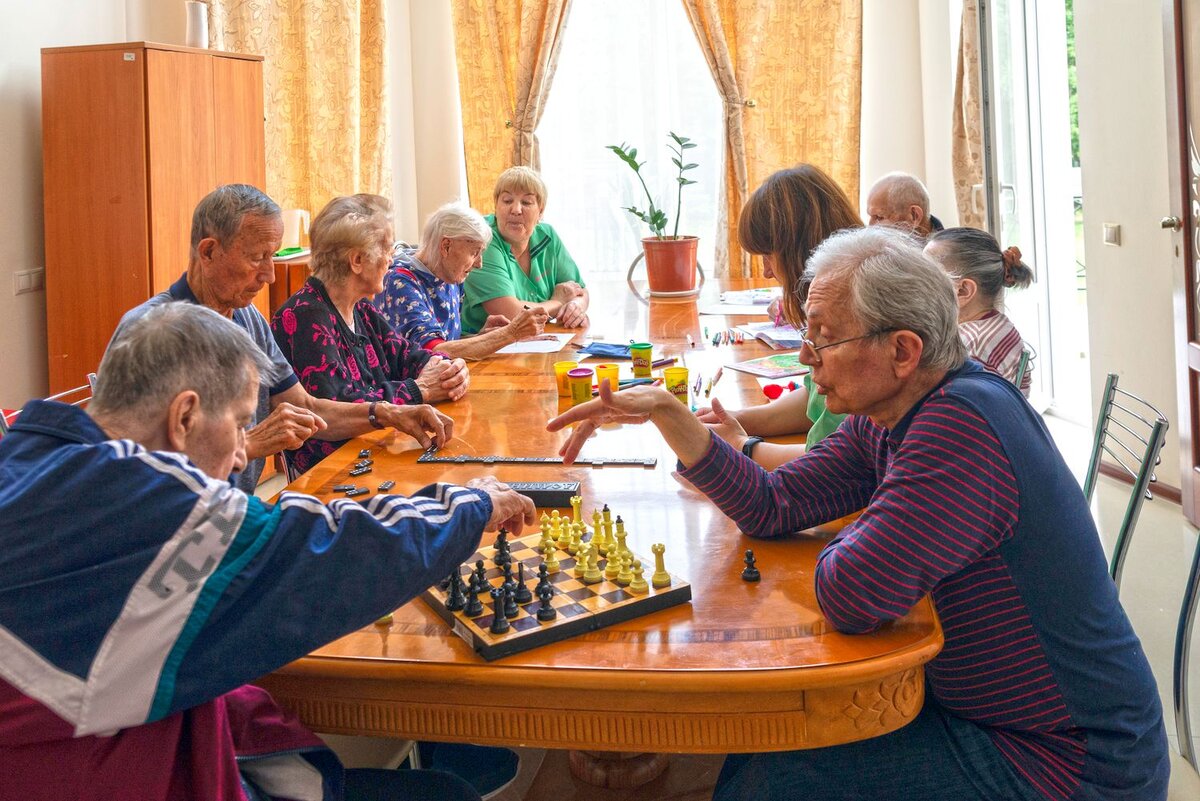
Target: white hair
{"points": [[455, 220], [892, 285], [901, 190]]}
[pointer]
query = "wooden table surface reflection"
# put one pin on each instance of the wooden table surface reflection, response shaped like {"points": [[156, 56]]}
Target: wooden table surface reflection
{"points": [[743, 667]]}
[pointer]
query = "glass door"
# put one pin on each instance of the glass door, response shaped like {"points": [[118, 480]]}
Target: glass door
{"points": [[1031, 184]]}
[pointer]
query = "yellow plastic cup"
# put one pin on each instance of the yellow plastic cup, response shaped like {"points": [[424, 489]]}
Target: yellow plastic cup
{"points": [[580, 380], [676, 379], [560, 377], [642, 354], [609, 373]]}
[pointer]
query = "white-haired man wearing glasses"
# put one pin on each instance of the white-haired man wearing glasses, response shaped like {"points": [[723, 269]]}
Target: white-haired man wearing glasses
{"points": [[1042, 690]]}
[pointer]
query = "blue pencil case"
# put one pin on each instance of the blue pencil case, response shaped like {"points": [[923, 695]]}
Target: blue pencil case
{"points": [[606, 350]]}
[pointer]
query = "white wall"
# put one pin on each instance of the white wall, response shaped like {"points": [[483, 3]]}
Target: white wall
{"points": [[1122, 133], [47, 23]]}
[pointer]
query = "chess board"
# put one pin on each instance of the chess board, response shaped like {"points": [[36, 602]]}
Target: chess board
{"points": [[581, 607]]}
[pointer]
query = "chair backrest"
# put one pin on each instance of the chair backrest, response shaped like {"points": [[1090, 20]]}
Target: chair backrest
{"points": [[76, 396], [1023, 366], [1179, 670], [1132, 433]]}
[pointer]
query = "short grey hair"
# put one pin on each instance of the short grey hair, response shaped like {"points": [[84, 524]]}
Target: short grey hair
{"points": [[172, 348], [893, 285], [219, 214], [902, 190], [455, 220], [348, 223]]}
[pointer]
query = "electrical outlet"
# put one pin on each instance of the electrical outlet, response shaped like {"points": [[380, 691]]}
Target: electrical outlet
{"points": [[29, 281]]}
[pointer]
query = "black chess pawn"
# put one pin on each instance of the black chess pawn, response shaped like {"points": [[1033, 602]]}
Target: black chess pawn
{"points": [[522, 595], [474, 607], [750, 573], [455, 600], [499, 622], [543, 579], [503, 555], [481, 575], [506, 577], [546, 610], [511, 609]]}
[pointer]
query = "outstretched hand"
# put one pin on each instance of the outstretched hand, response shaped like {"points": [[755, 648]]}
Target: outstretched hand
{"points": [[633, 405]]}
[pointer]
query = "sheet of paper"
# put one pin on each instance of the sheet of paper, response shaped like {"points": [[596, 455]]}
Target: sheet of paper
{"points": [[546, 343]]}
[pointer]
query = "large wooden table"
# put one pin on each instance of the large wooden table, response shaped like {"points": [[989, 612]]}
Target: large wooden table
{"points": [[743, 667]]}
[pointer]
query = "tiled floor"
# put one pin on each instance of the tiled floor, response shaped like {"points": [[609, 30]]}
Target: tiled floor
{"points": [[1152, 586]]}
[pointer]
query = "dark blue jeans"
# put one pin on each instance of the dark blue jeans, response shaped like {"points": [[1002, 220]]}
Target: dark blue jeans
{"points": [[937, 757], [368, 784]]}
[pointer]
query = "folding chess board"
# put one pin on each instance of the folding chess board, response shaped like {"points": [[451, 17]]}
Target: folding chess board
{"points": [[581, 607]]}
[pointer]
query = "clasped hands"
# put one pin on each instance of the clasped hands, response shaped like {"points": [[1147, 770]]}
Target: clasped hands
{"points": [[443, 379]]}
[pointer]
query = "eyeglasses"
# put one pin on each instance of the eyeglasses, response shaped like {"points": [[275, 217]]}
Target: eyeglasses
{"points": [[816, 349]]}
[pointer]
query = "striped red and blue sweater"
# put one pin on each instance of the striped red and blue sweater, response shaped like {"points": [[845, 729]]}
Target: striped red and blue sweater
{"points": [[967, 499]]}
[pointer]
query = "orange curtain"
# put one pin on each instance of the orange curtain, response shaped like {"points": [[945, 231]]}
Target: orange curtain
{"points": [[325, 89], [966, 126], [506, 54], [790, 76]]}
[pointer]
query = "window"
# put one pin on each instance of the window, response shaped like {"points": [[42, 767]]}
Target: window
{"points": [[629, 72]]}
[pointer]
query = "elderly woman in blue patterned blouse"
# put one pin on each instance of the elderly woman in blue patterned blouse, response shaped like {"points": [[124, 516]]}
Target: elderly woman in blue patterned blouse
{"points": [[422, 295], [340, 346]]}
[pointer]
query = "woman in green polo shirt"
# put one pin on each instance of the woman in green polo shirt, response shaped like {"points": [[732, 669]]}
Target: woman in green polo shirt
{"points": [[526, 264]]}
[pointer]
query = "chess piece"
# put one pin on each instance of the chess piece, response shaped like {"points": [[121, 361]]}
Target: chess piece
{"points": [[576, 509], [562, 534], [546, 610], [606, 524], [502, 555], [506, 577], [621, 534], [481, 575], [522, 595], [661, 577], [455, 600], [550, 559], [598, 534], [625, 575], [474, 607], [613, 566], [638, 585], [592, 574], [547, 539], [543, 579], [750, 573], [510, 603], [499, 622], [581, 562], [576, 537]]}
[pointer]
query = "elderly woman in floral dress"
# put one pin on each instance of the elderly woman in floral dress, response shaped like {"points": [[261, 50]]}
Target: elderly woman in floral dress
{"points": [[338, 343]]}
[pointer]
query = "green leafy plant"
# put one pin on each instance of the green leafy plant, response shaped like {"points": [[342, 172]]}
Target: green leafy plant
{"points": [[655, 217]]}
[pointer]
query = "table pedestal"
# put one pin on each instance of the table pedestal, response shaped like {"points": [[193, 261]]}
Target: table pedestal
{"points": [[617, 770]]}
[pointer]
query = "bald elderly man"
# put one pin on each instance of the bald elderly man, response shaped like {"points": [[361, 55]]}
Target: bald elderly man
{"points": [[901, 201], [140, 592]]}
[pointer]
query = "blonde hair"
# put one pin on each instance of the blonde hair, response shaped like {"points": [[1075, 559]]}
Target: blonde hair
{"points": [[520, 180], [345, 224]]}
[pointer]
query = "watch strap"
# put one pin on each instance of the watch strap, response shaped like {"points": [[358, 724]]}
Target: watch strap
{"points": [[748, 446], [371, 418]]}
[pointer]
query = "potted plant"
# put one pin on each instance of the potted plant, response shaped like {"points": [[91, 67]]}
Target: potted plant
{"points": [[670, 260]]}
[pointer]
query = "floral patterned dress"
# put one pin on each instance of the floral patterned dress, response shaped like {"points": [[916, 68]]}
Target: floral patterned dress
{"points": [[370, 363]]}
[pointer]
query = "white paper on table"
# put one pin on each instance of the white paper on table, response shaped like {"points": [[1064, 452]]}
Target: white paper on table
{"points": [[546, 343], [754, 310]]}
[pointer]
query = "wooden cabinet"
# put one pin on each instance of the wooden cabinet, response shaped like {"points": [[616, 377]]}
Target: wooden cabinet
{"points": [[133, 135]]}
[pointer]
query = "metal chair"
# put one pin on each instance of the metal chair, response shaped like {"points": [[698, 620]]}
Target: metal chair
{"points": [[1023, 366], [77, 396], [1179, 677], [1131, 432]]}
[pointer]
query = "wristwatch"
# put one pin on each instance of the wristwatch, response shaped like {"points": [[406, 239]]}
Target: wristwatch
{"points": [[371, 418], [748, 446]]}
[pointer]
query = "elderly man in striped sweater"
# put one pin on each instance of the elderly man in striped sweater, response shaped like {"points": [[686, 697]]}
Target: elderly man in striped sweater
{"points": [[1042, 691]]}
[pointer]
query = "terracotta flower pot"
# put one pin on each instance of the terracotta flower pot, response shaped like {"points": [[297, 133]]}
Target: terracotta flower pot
{"points": [[671, 265]]}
